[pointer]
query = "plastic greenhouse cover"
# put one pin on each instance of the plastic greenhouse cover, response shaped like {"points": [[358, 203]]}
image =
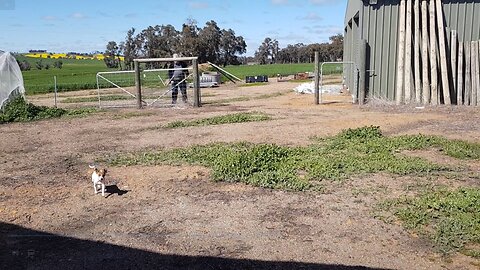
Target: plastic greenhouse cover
{"points": [[11, 79]]}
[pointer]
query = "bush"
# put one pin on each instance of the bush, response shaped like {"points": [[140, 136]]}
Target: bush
{"points": [[58, 64], [111, 62], [39, 65], [18, 110], [24, 65]]}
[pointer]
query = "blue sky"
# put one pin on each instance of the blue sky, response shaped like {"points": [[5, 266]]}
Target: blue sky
{"points": [[86, 26]]}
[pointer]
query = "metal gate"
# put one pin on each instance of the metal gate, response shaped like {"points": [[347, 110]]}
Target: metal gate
{"points": [[350, 76]]}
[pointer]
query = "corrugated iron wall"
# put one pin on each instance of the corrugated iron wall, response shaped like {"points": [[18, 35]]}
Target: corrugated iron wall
{"points": [[378, 25], [351, 53], [463, 16]]}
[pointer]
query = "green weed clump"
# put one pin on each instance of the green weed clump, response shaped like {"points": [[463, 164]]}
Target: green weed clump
{"points": [[95, 99], [264, 165], [246, 98], [450, 218], [352, 152], [18, 110], [222, 119]]}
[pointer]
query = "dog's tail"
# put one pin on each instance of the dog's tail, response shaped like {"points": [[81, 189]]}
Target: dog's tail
{"points": [[92, 166]]}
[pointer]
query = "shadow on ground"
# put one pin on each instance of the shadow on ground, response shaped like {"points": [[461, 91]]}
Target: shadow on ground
{"points": [[114, 189], [22, 248]]}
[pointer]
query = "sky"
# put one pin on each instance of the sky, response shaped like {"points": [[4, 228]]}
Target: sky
{"points": [[87, 25]]}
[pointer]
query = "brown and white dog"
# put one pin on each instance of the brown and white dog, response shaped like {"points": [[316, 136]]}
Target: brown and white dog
{"points": [[98, 177]]}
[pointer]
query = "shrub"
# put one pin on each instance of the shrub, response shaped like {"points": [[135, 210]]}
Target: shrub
{"points": [[24, 65], [18, 110], [58, 64], [39, 65]]}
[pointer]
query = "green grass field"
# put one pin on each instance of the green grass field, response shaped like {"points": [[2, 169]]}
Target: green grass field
{"points": [[275, 69], [74, 75], [81, 74]]}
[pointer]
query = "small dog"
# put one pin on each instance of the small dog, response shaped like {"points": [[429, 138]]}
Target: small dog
{"points": [[98, 177]]}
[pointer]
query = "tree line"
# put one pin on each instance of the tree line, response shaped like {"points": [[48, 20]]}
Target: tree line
{"points": [[270, 53], [213, 44], [209, 43], [25, 65]]}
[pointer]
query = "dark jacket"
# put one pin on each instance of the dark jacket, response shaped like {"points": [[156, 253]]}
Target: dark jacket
{"points": [[178, 74]]}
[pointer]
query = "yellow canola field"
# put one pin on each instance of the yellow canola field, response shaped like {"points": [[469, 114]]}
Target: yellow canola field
{"points": [[100, 57]]}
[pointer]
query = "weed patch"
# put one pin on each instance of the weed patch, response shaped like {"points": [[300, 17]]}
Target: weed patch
{"points": [[18, 110], [450, 218], [222, 119], [253, 84], [132, 115], [352, 152], [238, 99], [95, 99]]}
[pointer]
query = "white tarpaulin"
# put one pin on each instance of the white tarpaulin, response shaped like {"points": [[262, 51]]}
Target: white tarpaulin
{"points": [[309, 88], [11, 79]]}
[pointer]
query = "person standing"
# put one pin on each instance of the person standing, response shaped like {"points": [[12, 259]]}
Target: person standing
{"points": [[178, 79]]}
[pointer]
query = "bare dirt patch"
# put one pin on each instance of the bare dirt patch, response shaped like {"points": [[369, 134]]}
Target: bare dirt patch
{"points": [[174, 217]]}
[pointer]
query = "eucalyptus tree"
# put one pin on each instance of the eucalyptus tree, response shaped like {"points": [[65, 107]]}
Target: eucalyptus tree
{"points": [[230, 46], [209, 38], [129, 48]]}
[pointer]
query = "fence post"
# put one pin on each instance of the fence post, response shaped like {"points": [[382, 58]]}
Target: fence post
{"points": [[196, 85], [138, 84], [55, 95], [317, 79], [363, 72]]}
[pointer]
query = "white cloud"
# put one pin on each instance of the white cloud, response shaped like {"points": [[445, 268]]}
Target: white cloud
{"points": [[78, 16], [49, 18], [292, 38], [322, 2], [279, 2], [198, 5], [311, 17]]}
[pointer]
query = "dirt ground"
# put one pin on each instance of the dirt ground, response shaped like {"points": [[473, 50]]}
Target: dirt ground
{"points": [[174, 217]]}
